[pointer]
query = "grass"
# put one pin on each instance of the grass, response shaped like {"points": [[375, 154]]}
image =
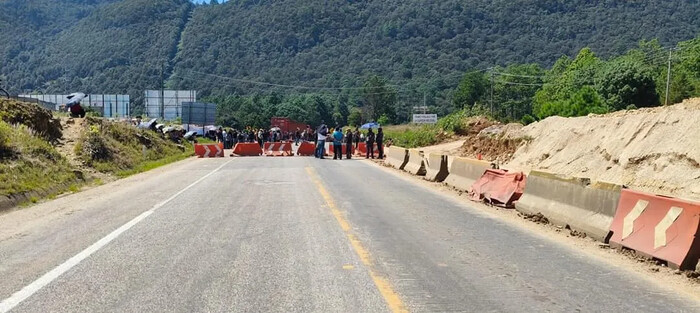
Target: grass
{"points": [[149, 165], [122, 150], [29, 163]]}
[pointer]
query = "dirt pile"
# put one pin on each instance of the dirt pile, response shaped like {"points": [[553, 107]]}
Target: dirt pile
{"points": [[654, 149], [493, 141], [31, 115]]}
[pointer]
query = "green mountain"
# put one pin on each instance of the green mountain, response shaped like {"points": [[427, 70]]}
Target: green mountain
{"points": [[121, 46]]}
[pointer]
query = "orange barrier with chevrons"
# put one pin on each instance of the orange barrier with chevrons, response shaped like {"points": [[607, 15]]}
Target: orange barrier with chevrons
{"points": [[306, 149], [498, 187], [660, 227], [209, 150], [247, 149], [278, 149]]}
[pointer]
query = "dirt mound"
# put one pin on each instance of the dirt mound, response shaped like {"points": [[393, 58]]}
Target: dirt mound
{"points": [[33, 116], [653, 149], [493, 141]]}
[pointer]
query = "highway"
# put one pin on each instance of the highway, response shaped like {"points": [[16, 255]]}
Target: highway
{"points": [[294, 234]]}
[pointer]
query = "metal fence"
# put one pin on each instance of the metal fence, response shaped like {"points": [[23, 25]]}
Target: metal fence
{"points": [[167, 104], [106, 105], [44, 104]]}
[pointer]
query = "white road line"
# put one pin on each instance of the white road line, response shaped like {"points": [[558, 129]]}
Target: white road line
{"points": [[26, 292]]}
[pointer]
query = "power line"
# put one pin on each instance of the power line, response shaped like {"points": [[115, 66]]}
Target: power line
{"points": [[288, 86], [517, 84], [397, 91]]}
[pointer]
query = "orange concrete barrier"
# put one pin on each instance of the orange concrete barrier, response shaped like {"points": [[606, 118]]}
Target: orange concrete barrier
{"points": [[362, 149], [278, 149], [345, 150], [247, 149], [209, 150], [306, 149], [659, 227], [498, 187]]}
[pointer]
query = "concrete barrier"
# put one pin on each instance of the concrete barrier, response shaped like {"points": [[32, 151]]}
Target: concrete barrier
{"points": [[397, 157], [436, 167], [415, 164], [585, 206], [463, 172]]}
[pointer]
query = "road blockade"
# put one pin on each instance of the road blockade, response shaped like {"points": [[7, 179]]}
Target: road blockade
{"points": [[583, 205], [306, 149], [658, 227], [247, 149], [498, 187], [464, 172], [362, 149], [397, 157], [331, 150], [209, 150], [436, 167], [415, 164], [278, 149]]}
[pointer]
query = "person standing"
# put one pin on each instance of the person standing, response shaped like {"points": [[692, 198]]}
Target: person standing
{"points": [[357, 138], [380, 141], [370, 144], [348, 143], [338, 143], [260, 137], [297, 136], [321, 140]]}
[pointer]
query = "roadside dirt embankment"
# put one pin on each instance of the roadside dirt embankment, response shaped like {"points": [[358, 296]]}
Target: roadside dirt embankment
{"points": [[655, 149]]}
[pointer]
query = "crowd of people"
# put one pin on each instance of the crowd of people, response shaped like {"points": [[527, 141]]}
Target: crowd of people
{"points": [[229, 136], [351, 139], [320, 136]]}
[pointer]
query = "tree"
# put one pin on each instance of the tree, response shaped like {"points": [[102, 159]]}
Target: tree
{"points": [[470, 90], [355, 117], [624, 82], [378, 99]]}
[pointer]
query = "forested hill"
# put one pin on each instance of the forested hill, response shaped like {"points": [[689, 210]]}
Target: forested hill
{"points": [[114, 46]]}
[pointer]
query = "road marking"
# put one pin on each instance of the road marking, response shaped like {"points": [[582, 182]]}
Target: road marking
{"points": [[662, 227], [628, 221], [385, 289], [348, 267], [26, 292]]}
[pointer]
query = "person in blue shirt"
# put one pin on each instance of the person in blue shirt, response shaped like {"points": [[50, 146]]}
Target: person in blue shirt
{"points": [[338, 143]]}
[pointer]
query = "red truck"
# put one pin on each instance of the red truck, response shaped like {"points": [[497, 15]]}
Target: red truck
{"points": [[286, 125]]}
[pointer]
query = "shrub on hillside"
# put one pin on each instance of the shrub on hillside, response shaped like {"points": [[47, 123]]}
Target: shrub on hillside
{"points": [[33, 116]]}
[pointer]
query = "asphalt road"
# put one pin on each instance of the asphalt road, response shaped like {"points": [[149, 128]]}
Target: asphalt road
{"points": [[293, 234]]}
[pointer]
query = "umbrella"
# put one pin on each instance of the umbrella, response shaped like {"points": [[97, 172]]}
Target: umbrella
{"points": [[369, 125], [75, 98]]}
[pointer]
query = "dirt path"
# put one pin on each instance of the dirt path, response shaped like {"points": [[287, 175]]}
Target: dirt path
{"points": [[72, 130]]}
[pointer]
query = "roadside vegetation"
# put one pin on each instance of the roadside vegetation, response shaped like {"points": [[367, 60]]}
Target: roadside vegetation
{"points": [[29, 163], [34, 161], [120, 149]]}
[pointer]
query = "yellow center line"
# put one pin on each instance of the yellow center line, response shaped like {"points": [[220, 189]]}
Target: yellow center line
{"points": [[385, 289]]}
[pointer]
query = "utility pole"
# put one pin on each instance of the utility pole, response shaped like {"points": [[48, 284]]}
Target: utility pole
{"points": [[162, 92], [492, 92], [668, 75]]}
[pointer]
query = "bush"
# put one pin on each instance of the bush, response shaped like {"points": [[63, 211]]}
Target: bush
{"points": [[33, 116], [527, 119]]}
